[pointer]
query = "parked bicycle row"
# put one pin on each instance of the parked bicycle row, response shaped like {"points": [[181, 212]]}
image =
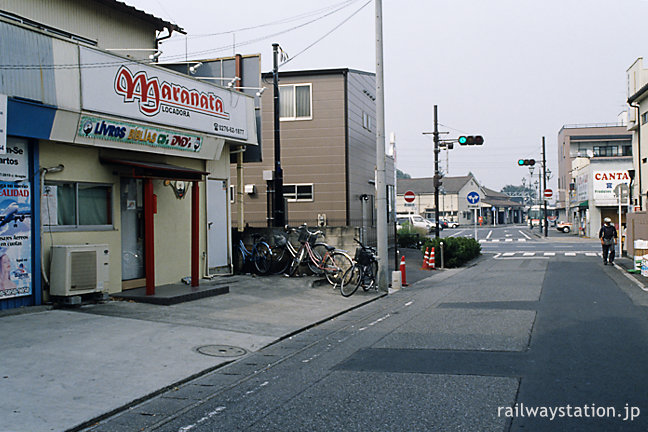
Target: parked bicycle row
{"points": [[297, 248]]}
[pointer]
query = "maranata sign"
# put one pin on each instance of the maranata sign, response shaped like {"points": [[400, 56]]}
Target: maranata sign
{"points": [[133, 90]]}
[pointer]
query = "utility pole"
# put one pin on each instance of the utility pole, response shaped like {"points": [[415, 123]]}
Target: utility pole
{"points": [[381, 187], [544, 187], [279, 207], [436, 172]]}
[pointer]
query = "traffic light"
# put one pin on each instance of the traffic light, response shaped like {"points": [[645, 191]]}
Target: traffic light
{"points": [[471, 140], [525, 162]]}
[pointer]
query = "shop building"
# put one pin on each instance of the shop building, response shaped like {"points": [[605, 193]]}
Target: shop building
{"points": [[115, 173]]}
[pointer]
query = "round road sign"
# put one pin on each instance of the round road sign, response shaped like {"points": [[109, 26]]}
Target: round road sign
{"points": [[410, 196], [548, 193]]}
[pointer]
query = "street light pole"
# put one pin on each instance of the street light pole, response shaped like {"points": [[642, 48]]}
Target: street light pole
{"points": [[544, 187], [436, 173], [278, 208], [381, 187]]}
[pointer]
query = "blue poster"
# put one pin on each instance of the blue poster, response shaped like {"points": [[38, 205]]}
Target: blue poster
{"points": [[15, 239]]}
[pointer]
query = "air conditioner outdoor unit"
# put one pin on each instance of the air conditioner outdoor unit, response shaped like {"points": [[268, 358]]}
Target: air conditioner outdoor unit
{"points": [[79, 269]]}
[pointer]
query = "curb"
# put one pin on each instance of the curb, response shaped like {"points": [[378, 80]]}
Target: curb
{"points": [[634, 280]]}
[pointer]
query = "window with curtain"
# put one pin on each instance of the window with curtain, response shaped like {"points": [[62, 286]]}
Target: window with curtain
{"points": [[295, 102], [79, 205]]}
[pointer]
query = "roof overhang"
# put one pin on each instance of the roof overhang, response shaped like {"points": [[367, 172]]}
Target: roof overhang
{"points": [[140, 169]]}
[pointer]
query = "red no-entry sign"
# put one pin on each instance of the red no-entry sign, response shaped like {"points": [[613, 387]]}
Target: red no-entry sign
{"points": [[410, 196], [548, 193]]}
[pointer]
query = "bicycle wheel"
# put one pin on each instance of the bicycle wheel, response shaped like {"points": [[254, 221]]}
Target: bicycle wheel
{"points": [[281, 259], [347, 284], [262, 257], [335, 266], [294, 265], [370, 275], [319, 252]]}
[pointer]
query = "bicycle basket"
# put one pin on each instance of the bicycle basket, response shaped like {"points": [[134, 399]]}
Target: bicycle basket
{"points": [[279, 240], [303, 235], [312, 238], [363, 257]]}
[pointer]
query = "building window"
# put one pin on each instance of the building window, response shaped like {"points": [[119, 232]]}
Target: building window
{"points": [[295, 102], [298, 192], [606, 151], [367, 122], [644, 118], [77, 206], [232, 194]]}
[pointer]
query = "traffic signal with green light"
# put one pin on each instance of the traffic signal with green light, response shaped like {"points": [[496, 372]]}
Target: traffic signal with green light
{"points": [[471, 140], [525, 162]]}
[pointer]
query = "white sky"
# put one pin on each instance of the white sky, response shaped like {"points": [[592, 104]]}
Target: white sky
{"points": [[510, 70]]}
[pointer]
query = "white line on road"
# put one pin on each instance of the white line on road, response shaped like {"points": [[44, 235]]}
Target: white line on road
{"points": [[457, 233], [590, 253], [482, 240], [489, 234], [570, 253], [522, 232], [522, 240], [509, 240], [495, 240], [508, 254], [528, 254], [409, 303], [639, 284], [550, 254]]}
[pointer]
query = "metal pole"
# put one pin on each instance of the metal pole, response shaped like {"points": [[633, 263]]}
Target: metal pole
{"points": [[544, 187], [279, 213], [441, 244], [381, 188], [620, 230], [436, 173]]}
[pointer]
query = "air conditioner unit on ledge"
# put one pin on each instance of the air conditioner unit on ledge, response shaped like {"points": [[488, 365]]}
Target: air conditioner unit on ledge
{"points": [[79, 269]]}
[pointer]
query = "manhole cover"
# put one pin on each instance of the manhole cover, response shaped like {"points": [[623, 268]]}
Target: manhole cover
{"points": [[221, 350]]}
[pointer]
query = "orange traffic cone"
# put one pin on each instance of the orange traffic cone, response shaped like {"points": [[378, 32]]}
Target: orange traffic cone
{"points": [[402, 269], [425, 260], [431, 261]]}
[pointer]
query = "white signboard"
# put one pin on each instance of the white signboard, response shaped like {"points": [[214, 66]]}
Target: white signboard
{"points": [[14, 164], [137, 91], [604, 183], [581, 187], [3, 123]]}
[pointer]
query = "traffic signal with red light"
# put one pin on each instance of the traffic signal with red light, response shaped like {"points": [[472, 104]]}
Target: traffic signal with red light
{"points": [[525, 162]]}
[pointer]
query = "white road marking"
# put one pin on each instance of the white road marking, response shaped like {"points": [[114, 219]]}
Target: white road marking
{"points": [[482, 241], [528, 254], [202, 419], [508, 254], [489, 234], [590, 253], [522, 232], [522, 240], [457, 233], [509, 240], [635, 281], [550, 254], [495, 240], [570, 253]]}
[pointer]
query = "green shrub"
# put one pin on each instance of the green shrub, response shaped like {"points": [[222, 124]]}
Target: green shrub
{"points": [[411, 237], [456, 250]]}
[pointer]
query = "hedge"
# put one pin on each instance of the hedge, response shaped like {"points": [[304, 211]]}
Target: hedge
{"points": [[411, 237], [456, 250]]}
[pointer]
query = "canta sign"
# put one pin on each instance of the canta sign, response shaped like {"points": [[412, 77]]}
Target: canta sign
{"points": [[113, 85], [604, 184]]}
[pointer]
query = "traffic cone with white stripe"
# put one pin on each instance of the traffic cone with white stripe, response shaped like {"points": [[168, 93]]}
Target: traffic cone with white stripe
{"points": [[431, 261], [425, 260], [402, 270]]}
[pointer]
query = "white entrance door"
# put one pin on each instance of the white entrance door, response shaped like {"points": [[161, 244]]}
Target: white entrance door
{"points": [[217, 226]]}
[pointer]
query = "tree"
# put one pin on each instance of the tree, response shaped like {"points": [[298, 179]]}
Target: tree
{"points": [[401, 175], [522, 193]]}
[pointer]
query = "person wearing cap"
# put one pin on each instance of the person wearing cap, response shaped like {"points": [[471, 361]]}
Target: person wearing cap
{"points": [[608, 236]]}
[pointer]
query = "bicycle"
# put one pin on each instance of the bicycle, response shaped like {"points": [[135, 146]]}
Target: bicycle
{"points": [[363, 273], [322, 258], [284, 251], [260, 255]]}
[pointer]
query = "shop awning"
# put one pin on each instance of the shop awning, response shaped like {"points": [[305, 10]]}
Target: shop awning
{"points": [[155, 170], [584, 204]]}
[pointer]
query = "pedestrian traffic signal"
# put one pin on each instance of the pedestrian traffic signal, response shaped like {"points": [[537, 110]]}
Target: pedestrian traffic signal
{"points": [[524, 162], [471, 140]]}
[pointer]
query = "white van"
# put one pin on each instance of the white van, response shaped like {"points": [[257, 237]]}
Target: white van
{"points": [[417, 221]]}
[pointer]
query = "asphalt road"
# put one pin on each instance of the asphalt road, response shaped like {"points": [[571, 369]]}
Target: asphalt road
{"points": [[468, 350]]}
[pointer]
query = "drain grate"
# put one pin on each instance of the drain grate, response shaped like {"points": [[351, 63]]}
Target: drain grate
{"points": [[221, 350]]}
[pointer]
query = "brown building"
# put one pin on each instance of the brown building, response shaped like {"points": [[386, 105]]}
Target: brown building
{"points": [[328, 150]]}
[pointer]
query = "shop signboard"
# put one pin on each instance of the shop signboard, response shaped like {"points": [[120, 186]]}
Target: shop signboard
{"points": [[581, 187], [131, 133], [113, 85], [604, 183]]}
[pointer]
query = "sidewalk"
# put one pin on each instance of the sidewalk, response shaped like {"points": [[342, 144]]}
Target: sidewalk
{"points": [[61, 368]]}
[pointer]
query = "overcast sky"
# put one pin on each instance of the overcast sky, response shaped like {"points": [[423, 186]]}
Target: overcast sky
{"points": [[510, 70]]}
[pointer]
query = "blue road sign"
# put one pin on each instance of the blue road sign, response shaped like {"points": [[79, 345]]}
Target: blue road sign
{"points": [[473, 198]]}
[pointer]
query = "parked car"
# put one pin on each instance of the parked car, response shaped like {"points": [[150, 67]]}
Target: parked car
{"points": [[453, 224], [564, 226], [417, 221], [433, 222]]}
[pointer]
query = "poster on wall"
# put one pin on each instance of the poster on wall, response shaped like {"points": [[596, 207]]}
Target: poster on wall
{"points": [[15, 239]]}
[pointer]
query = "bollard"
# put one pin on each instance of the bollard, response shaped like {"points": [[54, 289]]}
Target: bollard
{"points": [[441, 244], [432, 264], [402, 270], [425, 265], [396, 280]]}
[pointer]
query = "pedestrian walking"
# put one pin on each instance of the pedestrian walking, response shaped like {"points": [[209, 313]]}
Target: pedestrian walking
{"points": [[608, 236]]}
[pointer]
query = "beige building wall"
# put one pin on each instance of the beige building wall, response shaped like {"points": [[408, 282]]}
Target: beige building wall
{"points": [[172, 221]]}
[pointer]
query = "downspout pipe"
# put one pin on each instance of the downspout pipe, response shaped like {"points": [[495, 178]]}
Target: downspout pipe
{"points": [[43, 172], [638, 152]]}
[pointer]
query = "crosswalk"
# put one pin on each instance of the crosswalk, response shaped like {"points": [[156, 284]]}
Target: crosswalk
{"points": [[522, 254], [508, 240]]}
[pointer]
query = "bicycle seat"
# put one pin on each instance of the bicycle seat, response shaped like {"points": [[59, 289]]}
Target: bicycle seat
{"points": [[329, 248]]}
